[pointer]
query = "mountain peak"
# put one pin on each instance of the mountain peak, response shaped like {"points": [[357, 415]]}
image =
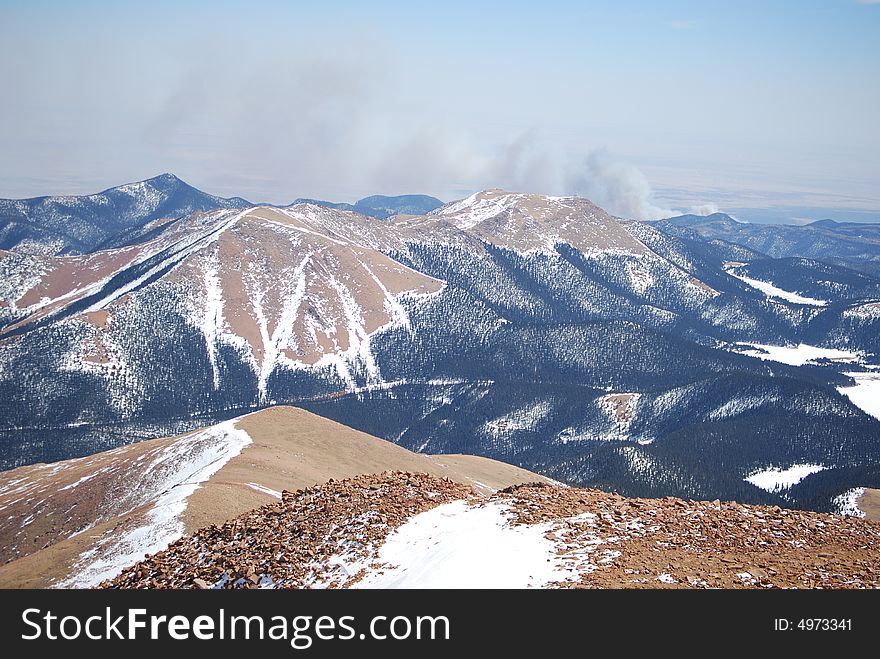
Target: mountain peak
{"points": [[165, 181], [526, 222], [167, 178], [115, 216]]}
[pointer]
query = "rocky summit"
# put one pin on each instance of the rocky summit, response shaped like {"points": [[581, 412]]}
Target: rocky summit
{"points": [[409, 530]]}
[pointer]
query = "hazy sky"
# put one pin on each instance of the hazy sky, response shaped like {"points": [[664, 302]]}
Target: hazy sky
{"points": [[644, 106]]}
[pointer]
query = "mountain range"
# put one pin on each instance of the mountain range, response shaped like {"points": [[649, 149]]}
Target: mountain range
{"points": [[854, 245], [642, 358], [136, 211]]}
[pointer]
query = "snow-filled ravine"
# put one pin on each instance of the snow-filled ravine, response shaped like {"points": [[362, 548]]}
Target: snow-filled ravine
{"points": [[460, 545]]}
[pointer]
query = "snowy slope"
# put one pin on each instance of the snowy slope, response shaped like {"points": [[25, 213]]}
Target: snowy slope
{"points": [[88, 518], [865, 393], [798, 355], [775, 479], [172, 478], [404, 530], [283, 287], [770, 290], [141, 491]]}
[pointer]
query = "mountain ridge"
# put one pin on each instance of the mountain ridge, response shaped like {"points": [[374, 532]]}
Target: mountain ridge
{"points": [[283, 498], [142, 496], [80, 224], [135, 212], [853, 245]]}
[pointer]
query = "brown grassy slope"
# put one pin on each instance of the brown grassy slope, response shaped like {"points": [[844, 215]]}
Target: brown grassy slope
{"points": [[291, 449], [869, 503]]}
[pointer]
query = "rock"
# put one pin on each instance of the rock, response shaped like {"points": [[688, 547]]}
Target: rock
{"points": [[293, 542]]}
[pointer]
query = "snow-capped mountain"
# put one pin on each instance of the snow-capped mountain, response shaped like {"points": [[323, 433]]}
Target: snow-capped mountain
{"points": [[80, 224], [273, 286], [529, 222], [536, 330], [135, 212]]}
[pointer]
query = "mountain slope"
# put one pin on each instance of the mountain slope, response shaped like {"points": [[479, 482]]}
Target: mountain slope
{"points": [[270, 286], [77, 225], [80, 521]]}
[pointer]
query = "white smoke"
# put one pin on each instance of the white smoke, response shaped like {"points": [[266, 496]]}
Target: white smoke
{"points": [[704, 209], [527, 165], [619, 188], [327, 116]]}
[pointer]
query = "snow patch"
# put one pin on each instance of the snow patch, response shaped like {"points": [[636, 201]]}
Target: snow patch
{"points": [[526, 418], [459, 545], [476, 209], [865, 394], [847, 504], [739, 404], [772, 291], [797, 355], [864, 312], [212, 322], [265, 490], [775, 480], [85, 478]]}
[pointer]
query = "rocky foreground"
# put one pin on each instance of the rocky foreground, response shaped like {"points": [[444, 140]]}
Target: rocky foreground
{"points": [[340, 535]]}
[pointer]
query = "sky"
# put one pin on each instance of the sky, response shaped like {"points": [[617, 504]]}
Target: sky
{"points": [[766, 109]]}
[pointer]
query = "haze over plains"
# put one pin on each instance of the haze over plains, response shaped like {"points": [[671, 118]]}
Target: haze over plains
{"points": [[767, 110]]}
